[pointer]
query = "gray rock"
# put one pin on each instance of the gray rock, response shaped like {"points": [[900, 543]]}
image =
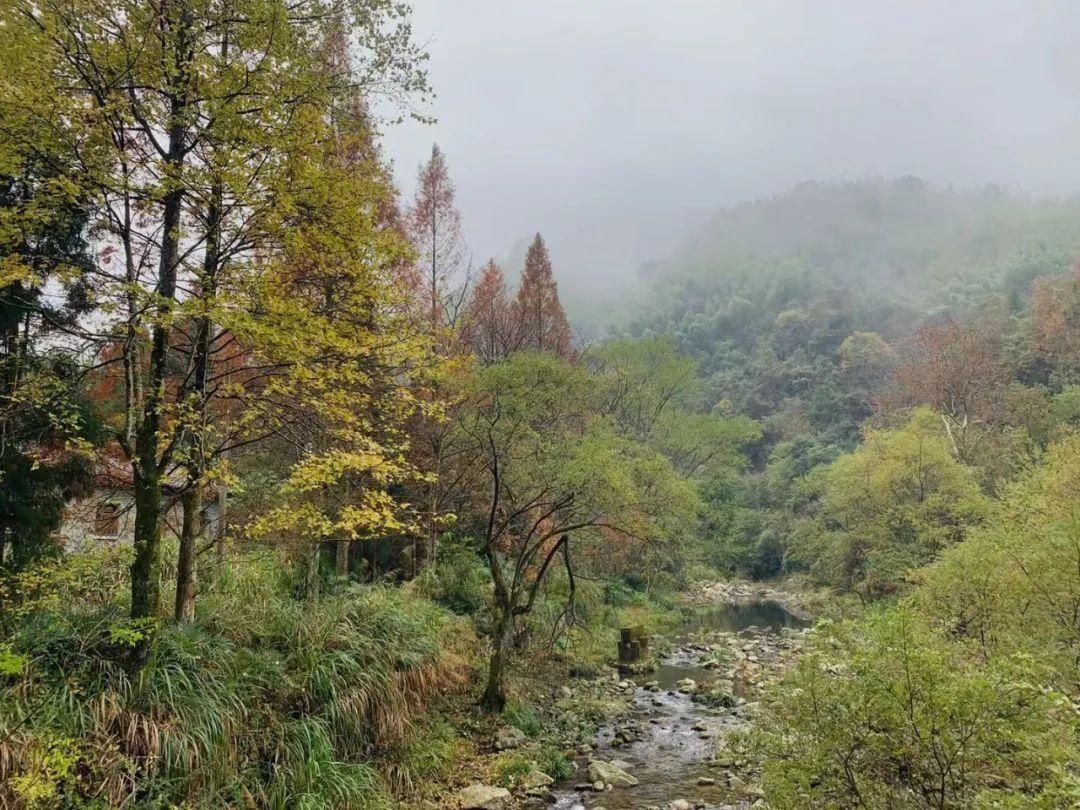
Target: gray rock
{"points": [[679, 804], [483, 797], [536, 779], [509, 737], [607, 772]]}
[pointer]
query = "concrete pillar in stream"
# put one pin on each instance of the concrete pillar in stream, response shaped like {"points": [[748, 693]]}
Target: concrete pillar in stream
{"points": [[633, 644]]}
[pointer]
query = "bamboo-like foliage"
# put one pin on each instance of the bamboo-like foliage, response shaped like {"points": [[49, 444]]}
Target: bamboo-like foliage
{"points": [[271, 702]]}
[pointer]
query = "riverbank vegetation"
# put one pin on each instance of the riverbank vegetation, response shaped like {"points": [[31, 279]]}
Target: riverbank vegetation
{"points": [[359, 510], [918, 458]]}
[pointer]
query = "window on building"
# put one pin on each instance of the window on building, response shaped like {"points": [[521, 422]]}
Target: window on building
{"points": [[107, 520]]}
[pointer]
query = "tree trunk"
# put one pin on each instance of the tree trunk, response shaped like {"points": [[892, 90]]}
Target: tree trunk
{"points": [[419, 560], [494, 700], [341, 558], [145, 588], [311, 578], [425, 542], [186, 571], [219, 536]]}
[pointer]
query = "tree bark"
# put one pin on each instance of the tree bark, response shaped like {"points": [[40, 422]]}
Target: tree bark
{"points": [[341, 558], [219, 532], [311, 577], [186, 571], [494, 699], [145, 588]]}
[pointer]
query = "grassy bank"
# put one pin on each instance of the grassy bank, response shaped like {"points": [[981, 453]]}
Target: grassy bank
{"points": [[364, 698], [265, 700]]}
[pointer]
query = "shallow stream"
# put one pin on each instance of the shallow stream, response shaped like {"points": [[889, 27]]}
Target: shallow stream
{"points": [[669, 741]]}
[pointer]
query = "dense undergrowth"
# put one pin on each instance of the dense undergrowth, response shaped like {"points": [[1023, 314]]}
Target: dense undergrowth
{"points": [[266, 700], [364, 698], [962, 692]]}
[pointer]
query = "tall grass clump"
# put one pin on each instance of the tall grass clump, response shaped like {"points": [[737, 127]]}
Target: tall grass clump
{"points": [[265, 701]]}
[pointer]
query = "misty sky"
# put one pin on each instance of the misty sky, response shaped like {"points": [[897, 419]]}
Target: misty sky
{"points": [[615, 126]]}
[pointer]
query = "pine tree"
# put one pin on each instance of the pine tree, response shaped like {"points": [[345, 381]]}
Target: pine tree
{"points": [[434, 224], [540, 322], [487, 327]]}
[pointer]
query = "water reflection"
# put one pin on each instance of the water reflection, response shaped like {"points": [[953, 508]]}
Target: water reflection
{"points": [[731, 618]]}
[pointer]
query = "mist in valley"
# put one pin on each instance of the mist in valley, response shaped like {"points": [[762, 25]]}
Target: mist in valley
{"points": [[619, 129], [569, 405]]}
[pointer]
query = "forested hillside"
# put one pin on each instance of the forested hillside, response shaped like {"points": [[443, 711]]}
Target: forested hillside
{"points": [[303, 506], [832, 308], [911, 357]]}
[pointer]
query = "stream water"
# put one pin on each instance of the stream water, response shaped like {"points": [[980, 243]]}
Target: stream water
{"points": [[669, 742]]}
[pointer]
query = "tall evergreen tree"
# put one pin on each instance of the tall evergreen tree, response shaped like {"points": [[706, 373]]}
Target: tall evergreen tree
{"points": [[434, 224], [539, 319], [487, 329]]}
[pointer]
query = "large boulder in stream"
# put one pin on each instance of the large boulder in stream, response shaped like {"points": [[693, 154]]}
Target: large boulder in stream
{"points": [[483, 797], [534, 780], [610, 774]]}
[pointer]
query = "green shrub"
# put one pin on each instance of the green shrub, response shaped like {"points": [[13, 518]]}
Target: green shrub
{"points": [[524, 718], [459, 581], [887, 713], [619, 593]]}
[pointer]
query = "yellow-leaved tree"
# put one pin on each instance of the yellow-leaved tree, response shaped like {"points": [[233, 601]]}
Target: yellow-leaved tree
{"points": [[205, 139], [330, 313]]}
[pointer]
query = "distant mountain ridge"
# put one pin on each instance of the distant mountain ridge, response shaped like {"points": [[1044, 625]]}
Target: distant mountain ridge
{"points": [[883, 234]]}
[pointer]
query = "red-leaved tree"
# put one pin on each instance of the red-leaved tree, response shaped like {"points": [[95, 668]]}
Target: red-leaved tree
{"points": [[539, 320], [434, 226], [1055, 310], [487, 327], [957, 369]]}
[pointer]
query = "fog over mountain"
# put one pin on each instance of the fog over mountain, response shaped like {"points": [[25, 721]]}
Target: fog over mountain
{"points": [[616, 128]]}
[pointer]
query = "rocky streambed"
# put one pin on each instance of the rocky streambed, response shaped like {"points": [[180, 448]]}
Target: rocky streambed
{"points": [[668, 751]]}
